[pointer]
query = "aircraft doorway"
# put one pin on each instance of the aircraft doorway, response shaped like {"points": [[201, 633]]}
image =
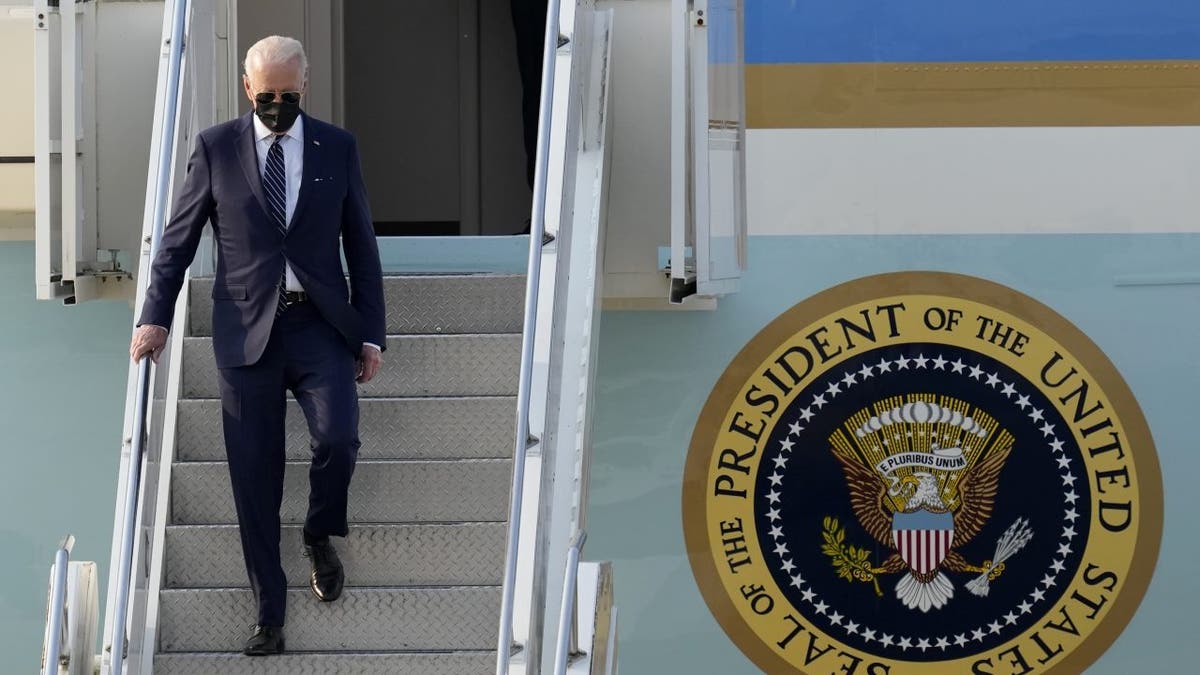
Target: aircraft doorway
{"points": [[432, 91]]}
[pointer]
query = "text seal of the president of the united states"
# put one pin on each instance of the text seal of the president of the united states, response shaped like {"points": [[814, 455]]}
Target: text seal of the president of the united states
{"points": [[922, 473]]}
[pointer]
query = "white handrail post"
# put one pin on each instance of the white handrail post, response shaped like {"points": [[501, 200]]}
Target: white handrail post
{"points": [[533, 276], [162, 181], [58, 607], [567, 621], [133, 475]]}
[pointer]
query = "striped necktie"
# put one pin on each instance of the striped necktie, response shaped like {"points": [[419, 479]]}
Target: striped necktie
{"points": [[275, 182]]}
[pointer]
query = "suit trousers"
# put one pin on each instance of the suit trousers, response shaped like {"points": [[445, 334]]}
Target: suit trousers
{"points": [[307, 355]]}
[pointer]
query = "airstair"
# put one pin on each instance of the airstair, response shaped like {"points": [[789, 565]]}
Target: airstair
{"points": [[429, 504], [467, 504]]}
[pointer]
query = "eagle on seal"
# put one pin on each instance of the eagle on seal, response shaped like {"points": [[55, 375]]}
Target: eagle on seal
{"points": [[925, 532]]}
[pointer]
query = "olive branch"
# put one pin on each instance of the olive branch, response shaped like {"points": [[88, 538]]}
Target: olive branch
{"points": [[851, 562]]}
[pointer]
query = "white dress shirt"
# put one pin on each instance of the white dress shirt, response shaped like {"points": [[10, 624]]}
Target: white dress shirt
{"points": [[292, 144]]}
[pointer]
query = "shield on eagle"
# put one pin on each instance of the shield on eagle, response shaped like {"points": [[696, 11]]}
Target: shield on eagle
{"points": [[923, 538]]}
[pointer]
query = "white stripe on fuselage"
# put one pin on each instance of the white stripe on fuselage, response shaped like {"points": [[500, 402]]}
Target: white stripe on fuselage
{"points": [[973, 181]]}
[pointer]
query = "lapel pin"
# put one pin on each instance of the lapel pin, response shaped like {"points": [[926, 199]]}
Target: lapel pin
{"points": [[316, 142]]}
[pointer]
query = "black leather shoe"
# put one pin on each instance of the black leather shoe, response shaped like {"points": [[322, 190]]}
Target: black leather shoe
{"points": [[327, 576], [264, 640]]}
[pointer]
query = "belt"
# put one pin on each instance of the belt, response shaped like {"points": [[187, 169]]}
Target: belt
{"points": [[294, 297]]}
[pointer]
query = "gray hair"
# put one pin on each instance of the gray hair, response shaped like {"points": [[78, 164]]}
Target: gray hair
{"points": [[276, 49]]}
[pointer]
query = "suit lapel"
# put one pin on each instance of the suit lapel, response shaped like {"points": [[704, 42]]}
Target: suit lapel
{"points": [[312, 156], [248, 158]]}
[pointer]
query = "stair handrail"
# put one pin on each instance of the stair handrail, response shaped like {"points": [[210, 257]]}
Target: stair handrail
{"points": [[537, 228], [162, 182], [568, 618], [58, 607]]}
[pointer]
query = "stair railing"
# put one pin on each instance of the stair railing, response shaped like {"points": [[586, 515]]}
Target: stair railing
{"points": [[568, 618], [161, 179], [58, 608], [524, 440]]}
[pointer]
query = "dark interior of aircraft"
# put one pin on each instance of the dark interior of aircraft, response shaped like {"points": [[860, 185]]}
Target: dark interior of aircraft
{"points": [[432, 91]]}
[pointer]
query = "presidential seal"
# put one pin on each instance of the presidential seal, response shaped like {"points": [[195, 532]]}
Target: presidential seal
{"points": [[922, 473]]}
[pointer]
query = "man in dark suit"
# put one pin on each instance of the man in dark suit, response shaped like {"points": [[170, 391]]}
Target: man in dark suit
{"points": [[279, 189]]}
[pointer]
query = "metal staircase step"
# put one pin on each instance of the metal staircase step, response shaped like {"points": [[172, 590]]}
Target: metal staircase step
{"points": [[427, 303], [390, 428], [382, 491], [414, 365], [361, 663], [437, 554], [425, 553], [370, 619]]}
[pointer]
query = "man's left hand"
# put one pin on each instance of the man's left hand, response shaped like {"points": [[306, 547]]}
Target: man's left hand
{"points": [[369, 362]]}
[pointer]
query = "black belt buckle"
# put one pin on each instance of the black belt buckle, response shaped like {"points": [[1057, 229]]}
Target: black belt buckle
{"points": [[294, 297]]}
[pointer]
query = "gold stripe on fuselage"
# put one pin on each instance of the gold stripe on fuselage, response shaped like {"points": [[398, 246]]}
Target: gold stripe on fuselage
{"points": [[1019, 93]]}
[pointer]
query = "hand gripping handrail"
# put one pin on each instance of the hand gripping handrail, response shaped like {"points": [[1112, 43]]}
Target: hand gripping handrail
{"points": [[58, 608], [162, 181], [568, 618], [532, 279]]}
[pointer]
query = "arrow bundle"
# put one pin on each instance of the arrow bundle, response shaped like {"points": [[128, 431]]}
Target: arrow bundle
{"points": [[1014, 539]]}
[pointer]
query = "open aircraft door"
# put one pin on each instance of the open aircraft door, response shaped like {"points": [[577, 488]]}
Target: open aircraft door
{"points": [[708, 148]]}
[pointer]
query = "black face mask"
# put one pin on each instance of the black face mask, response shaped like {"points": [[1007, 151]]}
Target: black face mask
{"points": [[278, 116]]}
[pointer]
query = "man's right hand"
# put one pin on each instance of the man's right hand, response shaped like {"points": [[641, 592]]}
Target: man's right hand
{"points": [[148, 340]]}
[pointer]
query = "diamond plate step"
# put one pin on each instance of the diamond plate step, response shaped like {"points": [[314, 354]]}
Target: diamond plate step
{"points": [[459, 303], [443, 554], [414, 365], [428, 501], [380, 492], [447, 663], [398, 428], [369, 619]]}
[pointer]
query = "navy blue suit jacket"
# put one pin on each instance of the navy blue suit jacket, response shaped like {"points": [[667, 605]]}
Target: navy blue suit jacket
{"points": [[223, 187]]}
